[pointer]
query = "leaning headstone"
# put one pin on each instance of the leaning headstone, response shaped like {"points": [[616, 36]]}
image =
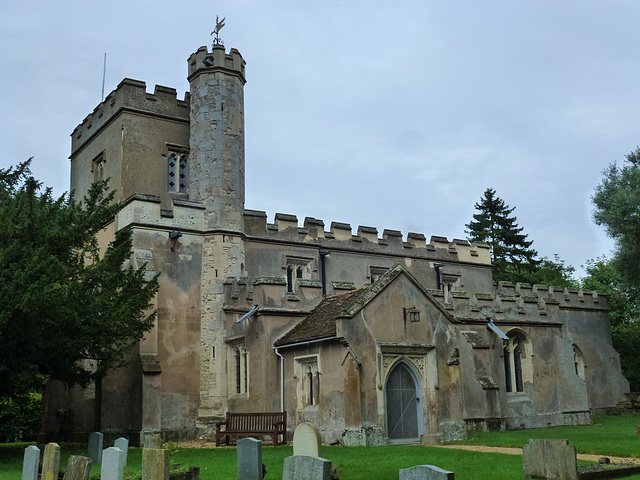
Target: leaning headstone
{"points": [[550, 459], [249, 459], [112, 466], [51, 462], [306, 440], [123, 444], [78, 468], [151, 440], [303, 467], [155, 464], [95, 447], [31, 463], [426, 472]]}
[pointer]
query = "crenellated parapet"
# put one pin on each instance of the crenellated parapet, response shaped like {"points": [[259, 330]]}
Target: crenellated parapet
{"points": [[203, 60], [131, 95], [271, 293], [286, 229], [519, 303], [145, 210]]}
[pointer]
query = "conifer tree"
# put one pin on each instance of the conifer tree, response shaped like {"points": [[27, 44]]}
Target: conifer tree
{"points": [[63, 300], [511, 252]]}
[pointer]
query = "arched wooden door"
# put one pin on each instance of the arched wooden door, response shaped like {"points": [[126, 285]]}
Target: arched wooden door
{"points": [[403, 402]]}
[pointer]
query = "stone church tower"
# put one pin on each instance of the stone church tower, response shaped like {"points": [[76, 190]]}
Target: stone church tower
{"points": [[216, 174]]}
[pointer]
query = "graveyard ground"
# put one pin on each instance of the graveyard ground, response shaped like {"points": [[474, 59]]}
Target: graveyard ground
{"points": [[613, 436]]}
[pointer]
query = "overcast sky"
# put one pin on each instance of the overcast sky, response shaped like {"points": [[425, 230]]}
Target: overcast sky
{"points": [[387, 114]]}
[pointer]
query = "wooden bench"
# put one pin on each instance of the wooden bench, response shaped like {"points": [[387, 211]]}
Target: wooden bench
{"points": [[240, 425]]}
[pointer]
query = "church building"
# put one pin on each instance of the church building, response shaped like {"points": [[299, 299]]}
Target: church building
{"points": [[375, 337]]}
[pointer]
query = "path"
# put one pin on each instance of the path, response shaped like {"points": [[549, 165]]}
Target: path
{"points": [[518, 451]]}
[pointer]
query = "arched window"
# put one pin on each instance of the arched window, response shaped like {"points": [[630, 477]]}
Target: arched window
{"points": [[578, 361], [516, 363], [307, 371]]}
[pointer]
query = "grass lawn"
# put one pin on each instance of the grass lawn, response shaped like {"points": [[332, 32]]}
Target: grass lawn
{"points": [[613, 436]]}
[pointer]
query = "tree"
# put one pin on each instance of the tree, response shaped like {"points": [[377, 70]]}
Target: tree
{"points": [[617, 209], [63, 301], [511, 252], [549, 272], [604, 275]]}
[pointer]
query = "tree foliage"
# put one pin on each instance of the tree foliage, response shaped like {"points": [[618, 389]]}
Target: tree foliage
{"points": [[617, 209], [63, 301], [493, 224], [514, 259], [548, 272]]}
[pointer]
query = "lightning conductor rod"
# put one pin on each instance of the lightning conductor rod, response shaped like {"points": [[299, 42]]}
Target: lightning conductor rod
{"points": [[104, 74]]}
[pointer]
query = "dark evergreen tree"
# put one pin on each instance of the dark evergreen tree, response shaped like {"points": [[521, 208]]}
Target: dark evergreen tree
{"points": [[511, 252], [63, 301]]}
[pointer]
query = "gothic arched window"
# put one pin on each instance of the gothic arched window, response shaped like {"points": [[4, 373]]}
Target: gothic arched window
{"points": [[578, 362], [515, 363]]}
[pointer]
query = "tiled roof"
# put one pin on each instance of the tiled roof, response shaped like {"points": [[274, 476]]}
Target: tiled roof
{"points": [[321, 322]]}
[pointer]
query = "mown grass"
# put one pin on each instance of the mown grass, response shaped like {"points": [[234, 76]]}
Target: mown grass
{"points": [[614, 436], [352, 462]]}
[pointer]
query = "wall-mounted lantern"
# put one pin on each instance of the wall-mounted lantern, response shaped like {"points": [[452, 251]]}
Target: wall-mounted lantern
{"points": [[413, 313], [174, 235]]}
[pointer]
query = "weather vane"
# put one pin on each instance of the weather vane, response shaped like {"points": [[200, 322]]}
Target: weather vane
{"points": [[216, 31]]}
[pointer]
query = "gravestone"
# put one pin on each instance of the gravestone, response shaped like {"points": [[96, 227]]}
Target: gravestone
{"points": [[155, 464], [550, 459], [249, 459], [123, 444], [306, 440], [78, 468], [426, 472], [31, 463], [95, 447], [112, 466], [303, 467], [51, 462], [151, 440]]}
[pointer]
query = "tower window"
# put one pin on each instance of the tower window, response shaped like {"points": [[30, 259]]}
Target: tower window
{"points": [[97, 167], [177, 173]]}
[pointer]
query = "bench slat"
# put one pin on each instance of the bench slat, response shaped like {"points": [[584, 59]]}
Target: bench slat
{"points": [[272, 424]]}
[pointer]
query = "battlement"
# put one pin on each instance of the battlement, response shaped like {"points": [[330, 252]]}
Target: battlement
{"points": [[521, 302], [204, 61], [510, 304], [130, 95], [285, 228]]}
